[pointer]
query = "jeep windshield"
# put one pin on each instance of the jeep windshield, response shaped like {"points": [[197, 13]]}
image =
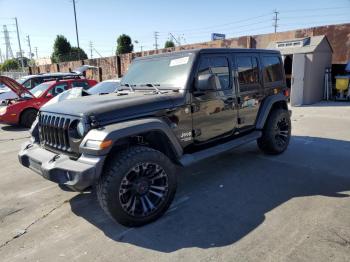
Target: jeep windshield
{"points": [[165, 72]]}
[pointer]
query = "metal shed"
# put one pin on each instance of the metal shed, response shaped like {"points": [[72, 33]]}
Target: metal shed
{"points": [[305, 61]]}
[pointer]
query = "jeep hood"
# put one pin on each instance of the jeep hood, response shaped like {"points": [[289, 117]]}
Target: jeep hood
{"points": [[114, 107], [14, 86]]}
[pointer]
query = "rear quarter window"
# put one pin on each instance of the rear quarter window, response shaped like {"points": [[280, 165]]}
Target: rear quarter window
{"points": [[272, 69]]}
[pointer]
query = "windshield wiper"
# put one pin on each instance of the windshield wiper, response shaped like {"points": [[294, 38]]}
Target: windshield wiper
{"points": [[127, 85], [155, 87]]}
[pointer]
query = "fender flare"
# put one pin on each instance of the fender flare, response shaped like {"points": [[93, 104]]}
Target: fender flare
{"points": [[265, 109], [126, 129]]}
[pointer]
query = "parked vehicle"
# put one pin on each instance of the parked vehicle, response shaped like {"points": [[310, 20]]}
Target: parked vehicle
{"points": [[32, 81], [102, 88], [173, 109], [23, 110]]}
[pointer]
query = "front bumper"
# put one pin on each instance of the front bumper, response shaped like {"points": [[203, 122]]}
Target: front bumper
{"points": [[59, 168]]}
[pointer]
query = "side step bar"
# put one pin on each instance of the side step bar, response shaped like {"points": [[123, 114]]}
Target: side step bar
{"points": [[189, 159]]}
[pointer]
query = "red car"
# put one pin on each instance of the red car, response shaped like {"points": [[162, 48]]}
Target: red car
{"points": [[23, 109]]}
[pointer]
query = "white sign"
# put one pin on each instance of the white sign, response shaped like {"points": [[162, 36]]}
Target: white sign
{"points": [[179, 61]]}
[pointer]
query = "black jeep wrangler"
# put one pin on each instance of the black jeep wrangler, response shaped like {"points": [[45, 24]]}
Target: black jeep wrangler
{"points": [[172, 110]]}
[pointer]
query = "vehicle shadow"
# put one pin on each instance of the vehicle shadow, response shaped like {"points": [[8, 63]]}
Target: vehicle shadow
{"points": [[14, 128], [223, 199]]}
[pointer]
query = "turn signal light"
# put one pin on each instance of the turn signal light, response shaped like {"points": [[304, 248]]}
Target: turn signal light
{"points": [[105, 144], [286, 92]]}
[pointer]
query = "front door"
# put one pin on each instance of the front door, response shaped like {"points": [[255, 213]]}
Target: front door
{"points": [[249, 87], [213, 111], [297, 90]]}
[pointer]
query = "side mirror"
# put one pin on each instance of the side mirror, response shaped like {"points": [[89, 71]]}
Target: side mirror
{"points": [[49, 95], [206, 82]]}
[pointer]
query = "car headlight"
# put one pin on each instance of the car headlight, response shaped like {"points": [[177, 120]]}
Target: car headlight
{"points": [[81, 129], [3, 110]]}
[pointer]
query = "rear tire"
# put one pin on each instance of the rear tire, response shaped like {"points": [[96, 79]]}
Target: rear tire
{"points": [[28, 117], [276, 133], [137, 186]]}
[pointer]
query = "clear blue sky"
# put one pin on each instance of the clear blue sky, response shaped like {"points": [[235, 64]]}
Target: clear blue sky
{"points": [[103, 20]]}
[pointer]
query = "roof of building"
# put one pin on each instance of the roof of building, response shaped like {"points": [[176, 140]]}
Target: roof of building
{"points": [[302, 45]]}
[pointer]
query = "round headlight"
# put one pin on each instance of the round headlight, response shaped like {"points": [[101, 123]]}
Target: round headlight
{"points": [[81, 129]]}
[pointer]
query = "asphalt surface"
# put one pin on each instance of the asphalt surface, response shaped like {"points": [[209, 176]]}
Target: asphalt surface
{"points": [[241, 206]]}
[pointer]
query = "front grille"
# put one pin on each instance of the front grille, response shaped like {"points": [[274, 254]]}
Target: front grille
{"points": [[53, 130]]}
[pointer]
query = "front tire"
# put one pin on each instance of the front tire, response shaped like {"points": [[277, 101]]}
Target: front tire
{"points": [[28, 117], [138, 186], [276, 133]]}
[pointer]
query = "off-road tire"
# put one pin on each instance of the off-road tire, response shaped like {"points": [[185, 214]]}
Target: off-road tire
{"points": [[270, 141], [28, 117], [117, 169]]}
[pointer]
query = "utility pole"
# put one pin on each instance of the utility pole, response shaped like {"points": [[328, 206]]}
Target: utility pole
{"points": [[76, 28], [19, 44], [0, 56], [9, 53], [90, 44], [36, 52], [141, 48], [275, 19], [30, 48], [156, 35]]}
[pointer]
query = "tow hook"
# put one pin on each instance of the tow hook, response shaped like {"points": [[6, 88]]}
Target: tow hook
{"points": [[54, 158], [28, 146]]}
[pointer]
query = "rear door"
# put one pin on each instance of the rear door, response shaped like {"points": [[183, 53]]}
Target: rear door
{"points": [[213, 111], [248, 80]]}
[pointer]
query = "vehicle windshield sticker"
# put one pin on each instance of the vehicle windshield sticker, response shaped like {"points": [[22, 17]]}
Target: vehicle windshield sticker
{"points": [[179, 61]]}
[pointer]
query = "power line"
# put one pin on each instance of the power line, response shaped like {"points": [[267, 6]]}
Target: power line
{"points": [[313, 9]]}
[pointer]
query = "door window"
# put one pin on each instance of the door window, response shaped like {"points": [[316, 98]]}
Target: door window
{"points": [[217, 66], [272, 71], [82, 84], [58, 89], [248, 70]]}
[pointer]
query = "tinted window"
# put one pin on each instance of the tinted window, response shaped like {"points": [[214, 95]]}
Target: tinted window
{"points": [[272, 69], [84, 85], [167, 71], [217, 66], [58, 89], [248, 71]]}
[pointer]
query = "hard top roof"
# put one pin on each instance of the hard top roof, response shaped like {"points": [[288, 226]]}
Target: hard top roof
{"points": [[211, 51]]}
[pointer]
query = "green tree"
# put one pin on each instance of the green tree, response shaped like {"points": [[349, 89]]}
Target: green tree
{"points": [[61, 50], [124, 44], [75, 52], [169, 44], [10, 64]]}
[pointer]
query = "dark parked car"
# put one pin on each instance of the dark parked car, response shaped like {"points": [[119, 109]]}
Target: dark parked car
{"points": [[174, 109]]}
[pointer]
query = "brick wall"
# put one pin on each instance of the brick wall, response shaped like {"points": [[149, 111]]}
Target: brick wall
{"points": [[111, 67]]}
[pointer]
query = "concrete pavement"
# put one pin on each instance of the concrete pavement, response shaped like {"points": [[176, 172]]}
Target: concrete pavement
{"points": [[241, 206]]}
